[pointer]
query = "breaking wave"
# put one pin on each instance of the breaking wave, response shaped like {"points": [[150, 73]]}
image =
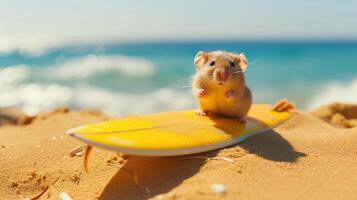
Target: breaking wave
{"points": [[35, 98], [37, 89], [335, 92], [90, 65]]}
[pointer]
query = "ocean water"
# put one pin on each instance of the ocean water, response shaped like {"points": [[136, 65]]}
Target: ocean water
{"points": [[137, 78]]}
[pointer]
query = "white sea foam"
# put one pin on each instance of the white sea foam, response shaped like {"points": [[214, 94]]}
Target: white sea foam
{"points": [[81, 68], [89, 65], [122, 103], [335, 92], [13, 74], [18, 90], [34, 98]]}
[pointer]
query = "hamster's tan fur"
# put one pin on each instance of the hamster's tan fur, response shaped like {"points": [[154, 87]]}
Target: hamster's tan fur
{"points": [[219, 84]]}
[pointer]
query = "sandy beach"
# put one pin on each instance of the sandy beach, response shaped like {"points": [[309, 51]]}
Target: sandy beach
{"points": [[304, 158], [171, 72]]}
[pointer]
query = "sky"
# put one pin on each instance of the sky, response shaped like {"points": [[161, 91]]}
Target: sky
{"points": [[34, 26]]}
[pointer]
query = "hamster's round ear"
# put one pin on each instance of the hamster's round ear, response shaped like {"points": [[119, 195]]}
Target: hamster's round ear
{"points": [[242, 61], [200, 59]]}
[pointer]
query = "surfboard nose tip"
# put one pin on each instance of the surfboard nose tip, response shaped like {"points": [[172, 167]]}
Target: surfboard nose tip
{"points": [[70, 131]]}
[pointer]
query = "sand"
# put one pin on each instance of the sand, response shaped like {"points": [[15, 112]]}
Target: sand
{"points": [[338, 114], [304, 158]]}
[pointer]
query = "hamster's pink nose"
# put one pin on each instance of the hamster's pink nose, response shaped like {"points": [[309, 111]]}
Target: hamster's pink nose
{"points": [[222, 76]]}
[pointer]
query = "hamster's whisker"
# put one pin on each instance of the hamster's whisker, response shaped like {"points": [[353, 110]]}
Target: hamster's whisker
{"points": [[254, 62], [186, 86], [237, 71]]}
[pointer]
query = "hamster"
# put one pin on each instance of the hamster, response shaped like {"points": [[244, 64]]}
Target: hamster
{"points": [[219, 85]]}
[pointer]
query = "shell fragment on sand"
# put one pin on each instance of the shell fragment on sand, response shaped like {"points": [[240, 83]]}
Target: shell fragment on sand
{"points": [[218, 188], [64, 196]]}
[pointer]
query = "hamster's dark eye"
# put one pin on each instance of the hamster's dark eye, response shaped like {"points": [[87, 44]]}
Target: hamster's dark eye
{"points": [[232, 64], [212, 63]]}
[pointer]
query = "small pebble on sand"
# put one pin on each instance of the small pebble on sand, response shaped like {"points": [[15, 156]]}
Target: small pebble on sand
{"points": [[218, 188], [53, 137]]}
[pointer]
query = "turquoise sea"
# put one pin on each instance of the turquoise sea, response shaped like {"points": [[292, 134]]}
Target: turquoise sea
{"points": [[135, 78]]}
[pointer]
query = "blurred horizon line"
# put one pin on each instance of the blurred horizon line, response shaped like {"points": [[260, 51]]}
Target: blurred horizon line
{"points": [[34, 50]]}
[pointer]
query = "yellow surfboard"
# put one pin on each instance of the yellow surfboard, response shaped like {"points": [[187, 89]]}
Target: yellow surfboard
{"points": [[176, 133]]}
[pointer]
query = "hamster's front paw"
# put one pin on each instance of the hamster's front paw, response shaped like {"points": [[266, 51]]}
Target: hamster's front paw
{"points": [[201, 92], [241, 120], [229, 93]]}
